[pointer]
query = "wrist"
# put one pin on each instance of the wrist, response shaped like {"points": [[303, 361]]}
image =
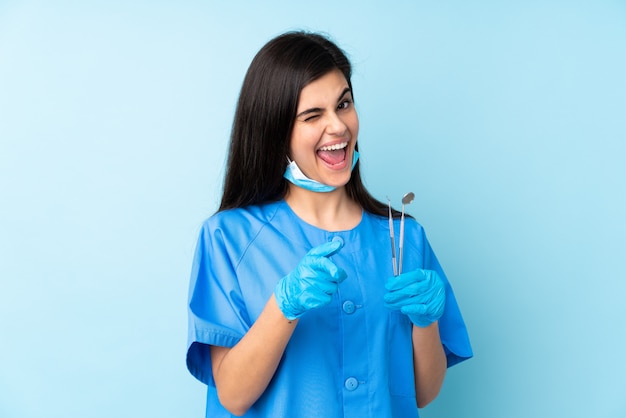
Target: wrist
{"points": [[283, 300], [278, 313]]}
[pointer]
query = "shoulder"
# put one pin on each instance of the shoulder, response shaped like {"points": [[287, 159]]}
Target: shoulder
{"points": [[241, 218], [238, 227], [413, 225]]}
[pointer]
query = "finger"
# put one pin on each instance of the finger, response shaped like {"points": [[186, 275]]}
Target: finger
{"points": [[313, 298], [393, 304], [340, 275], [326, 287], [416, 310], [415, 289], [415, 294], [432, 311], [399, 299], [327, 249], [405, 279], [327, 269]]}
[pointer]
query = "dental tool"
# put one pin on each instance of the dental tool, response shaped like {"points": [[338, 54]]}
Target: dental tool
{"points": [[393, 244], [406, 199]]}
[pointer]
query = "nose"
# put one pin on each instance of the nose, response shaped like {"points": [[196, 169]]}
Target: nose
{"points": [[335, 125]]}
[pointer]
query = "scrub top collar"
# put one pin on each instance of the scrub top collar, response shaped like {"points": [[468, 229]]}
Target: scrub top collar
{"points": [[298, 228]]}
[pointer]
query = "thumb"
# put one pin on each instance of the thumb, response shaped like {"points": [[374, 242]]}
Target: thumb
{"points": [[327, 249]]}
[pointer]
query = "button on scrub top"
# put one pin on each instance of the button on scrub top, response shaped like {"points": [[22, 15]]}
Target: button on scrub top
{"points": [[351, 358]]}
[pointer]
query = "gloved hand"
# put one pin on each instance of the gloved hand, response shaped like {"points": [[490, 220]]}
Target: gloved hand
{"points": [[419, 294], [312, 283]]}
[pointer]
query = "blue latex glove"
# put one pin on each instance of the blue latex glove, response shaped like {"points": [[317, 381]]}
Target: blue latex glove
{"points": [[419, 294], [312, 283]]}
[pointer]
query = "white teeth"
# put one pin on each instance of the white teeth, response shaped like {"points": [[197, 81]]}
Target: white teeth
{"points": [[334, 147]]}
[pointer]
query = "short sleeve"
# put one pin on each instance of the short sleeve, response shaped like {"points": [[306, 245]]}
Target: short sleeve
{"points": [[217, 314]]}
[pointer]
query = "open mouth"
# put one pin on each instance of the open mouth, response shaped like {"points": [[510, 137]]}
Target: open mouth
{"points": [[333, 154]]}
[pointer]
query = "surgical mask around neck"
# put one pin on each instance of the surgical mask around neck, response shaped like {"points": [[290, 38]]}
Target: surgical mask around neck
{"points": [[297, 177]]}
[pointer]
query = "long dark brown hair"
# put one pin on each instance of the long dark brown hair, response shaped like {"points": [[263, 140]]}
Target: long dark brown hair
{"points": [[265, 116]]}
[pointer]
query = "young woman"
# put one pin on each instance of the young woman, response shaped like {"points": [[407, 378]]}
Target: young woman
{"points": [[294, 308]]}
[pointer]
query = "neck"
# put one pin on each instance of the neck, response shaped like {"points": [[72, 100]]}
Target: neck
{"points": [[331, 211]]}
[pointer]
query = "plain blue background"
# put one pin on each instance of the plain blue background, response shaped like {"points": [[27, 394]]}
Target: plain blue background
{"points": [[507, 120]]}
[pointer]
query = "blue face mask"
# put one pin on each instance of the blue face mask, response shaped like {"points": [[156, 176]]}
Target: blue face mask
{"points": [[297, 177]]}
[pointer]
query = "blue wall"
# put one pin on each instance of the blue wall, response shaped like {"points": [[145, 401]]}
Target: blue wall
{"points": [[506, 120]]}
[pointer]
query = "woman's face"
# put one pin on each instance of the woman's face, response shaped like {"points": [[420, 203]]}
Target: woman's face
{"points": [[325, 130]]}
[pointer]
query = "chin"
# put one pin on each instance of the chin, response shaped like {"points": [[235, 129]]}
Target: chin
{"points": [[339, 183]]}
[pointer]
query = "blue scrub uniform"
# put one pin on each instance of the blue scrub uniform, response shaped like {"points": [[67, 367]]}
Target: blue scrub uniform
{"points": [[351, 358]]}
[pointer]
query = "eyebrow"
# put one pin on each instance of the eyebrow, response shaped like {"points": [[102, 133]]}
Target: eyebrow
{"points": [[317, 109]]}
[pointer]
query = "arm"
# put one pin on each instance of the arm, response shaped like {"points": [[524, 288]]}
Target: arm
{"points": [[243, 372], [429, 363], [420, 294]]}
